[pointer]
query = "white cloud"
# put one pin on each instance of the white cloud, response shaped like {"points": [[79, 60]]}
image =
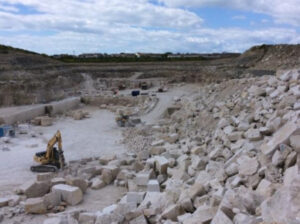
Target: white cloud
{"points": [[239, 17], [283, 11], [126, 26], [91, 15], [141, 40]]}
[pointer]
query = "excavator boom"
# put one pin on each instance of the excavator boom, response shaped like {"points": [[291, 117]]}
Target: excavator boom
{"points": [[52, 159]]}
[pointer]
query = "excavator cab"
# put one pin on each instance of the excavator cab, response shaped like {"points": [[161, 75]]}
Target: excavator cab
{"points": [[53, 158]]}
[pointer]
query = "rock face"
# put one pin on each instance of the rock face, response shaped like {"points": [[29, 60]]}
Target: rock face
{"points": [[70, 194]]}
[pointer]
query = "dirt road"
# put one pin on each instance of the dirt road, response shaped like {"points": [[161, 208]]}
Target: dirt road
{"points": [[165, 100]]}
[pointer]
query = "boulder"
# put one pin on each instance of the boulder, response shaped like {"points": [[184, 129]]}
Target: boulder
{"points": [[235, 136], [46, 121], [142, 178], [78, 182], [221, 218], [4, 202], [246, 219], [277, 158], [161, 164], [157, 150], [70, 194], [253, 135], [197, 189], [33, 189], [58, 180], [13, 200], [290, 175], [139, 220], [87, 218], [109, 173], [97, 183], [283, 206], [203, 214], [54, 220], [295, 142], [265, 188], [172, 212], [52, 199], [280, 137], [35, 206], [153, 186], [247, 166]]}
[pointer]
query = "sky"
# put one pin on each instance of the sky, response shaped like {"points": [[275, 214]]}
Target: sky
{"points": [[158, 26]]}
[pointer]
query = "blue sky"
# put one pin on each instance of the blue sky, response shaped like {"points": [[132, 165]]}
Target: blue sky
{"points": [[112, 26]]}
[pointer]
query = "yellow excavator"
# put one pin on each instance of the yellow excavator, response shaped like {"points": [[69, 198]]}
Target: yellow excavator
{"points": [[52, 159]]}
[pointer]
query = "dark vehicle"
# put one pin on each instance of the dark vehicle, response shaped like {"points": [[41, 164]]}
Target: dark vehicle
{"points": [[135, 92]]}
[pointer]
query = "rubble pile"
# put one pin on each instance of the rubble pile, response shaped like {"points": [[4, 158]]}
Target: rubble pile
{"points": [[227, 155]]}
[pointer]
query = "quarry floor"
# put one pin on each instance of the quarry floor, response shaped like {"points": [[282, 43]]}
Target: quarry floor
{"points": [[94, 136]]}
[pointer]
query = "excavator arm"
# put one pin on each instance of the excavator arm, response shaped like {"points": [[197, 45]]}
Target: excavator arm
{"points": [[52, 158]]}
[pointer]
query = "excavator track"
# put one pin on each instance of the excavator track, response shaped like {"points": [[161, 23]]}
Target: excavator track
{"points": [[44, 168]]}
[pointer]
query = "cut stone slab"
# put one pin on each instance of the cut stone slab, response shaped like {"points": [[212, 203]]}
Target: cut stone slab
{"points": [[70, 194], [58, 180], [4, 202], [142, 179], [33, 189], [135, 197], [280, 137], [35, 206], [153, 186], [46, 121], [161, 164], [247, 166]]}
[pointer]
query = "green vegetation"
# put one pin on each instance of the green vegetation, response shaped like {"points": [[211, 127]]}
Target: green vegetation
{"points": [[6, 49], [163, 57]]}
